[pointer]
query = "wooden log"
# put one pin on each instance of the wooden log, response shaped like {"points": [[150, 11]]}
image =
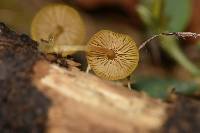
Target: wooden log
{"points": [[89, 104]]}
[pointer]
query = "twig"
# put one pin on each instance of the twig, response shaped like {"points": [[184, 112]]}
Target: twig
{"points": [[182, 35]]}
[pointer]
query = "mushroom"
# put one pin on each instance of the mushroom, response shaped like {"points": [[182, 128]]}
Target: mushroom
{"points": [[59, 28], [111, 55]]}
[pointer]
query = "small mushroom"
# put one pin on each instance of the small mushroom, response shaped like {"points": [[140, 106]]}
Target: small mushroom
{"points": [[58, 27], [111, 55]]}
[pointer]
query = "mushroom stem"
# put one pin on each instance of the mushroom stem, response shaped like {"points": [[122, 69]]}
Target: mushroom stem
{"points": [[129, 85], [64, 50], [88, 69], [109, 53], [55, 34]]}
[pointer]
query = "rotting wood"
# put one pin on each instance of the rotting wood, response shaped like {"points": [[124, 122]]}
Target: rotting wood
{"points": [[96, 105]]}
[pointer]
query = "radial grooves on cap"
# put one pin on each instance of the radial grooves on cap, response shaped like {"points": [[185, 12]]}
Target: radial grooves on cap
{"points": [[126, 58], [65, 17]]}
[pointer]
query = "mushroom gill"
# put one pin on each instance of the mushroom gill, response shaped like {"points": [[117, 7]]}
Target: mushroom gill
{"points": [[112, 55], [61, 26]]}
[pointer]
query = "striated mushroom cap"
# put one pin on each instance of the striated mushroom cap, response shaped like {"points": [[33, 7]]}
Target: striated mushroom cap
{"points": [[111, 55], [60, 23]]}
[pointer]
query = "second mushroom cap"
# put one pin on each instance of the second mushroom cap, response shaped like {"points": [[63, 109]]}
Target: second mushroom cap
{"points": [[60, 24]]}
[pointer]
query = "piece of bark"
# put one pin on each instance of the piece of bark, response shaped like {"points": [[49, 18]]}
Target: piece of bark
{"points": [[37, 96], [22, 107]]}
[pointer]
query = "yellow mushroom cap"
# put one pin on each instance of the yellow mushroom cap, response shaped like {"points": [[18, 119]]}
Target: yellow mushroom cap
{"points": [[112, 55], [60, 21]]}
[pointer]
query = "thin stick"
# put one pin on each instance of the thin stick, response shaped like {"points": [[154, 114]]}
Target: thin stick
{"points": [[182, 35]]}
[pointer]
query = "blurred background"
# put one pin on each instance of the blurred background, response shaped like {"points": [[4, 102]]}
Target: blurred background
{"points": [[166, 64]]}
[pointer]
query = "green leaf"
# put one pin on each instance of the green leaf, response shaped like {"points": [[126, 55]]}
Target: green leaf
{"points": [[145, 15], [177, 14], [161, 87]]}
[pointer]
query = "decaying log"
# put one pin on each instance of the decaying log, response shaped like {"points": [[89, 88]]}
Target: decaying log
{"points": [[38, 96]]}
